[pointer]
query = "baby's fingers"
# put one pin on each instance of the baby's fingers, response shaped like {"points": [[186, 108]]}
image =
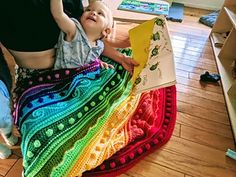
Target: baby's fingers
{"points": [[134, 63], [111, 66], [107, 66]]}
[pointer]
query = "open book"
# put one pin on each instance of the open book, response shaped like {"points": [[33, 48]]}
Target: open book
{"points": [[156, 7], [152, 49]]}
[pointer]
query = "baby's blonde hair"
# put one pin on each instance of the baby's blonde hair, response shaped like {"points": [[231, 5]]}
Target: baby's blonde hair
{"points": [[109, 15]]}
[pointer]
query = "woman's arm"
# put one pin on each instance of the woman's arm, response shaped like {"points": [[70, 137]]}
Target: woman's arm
{"points": [[63, 21], [127, 62], [121, 43]]}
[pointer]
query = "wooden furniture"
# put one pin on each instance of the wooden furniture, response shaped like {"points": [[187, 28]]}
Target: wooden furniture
{"points": [[127, 16], [226, 55]]}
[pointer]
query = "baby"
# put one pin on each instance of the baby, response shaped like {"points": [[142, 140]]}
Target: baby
{"points": [[82, 42]]}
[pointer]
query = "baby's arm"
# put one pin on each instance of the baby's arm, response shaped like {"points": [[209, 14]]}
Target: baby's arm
{"points": [[127, 62], [63, 21]]}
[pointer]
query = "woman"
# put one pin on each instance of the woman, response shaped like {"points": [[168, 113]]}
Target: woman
{"points": [[72, 121], [25, 26]]}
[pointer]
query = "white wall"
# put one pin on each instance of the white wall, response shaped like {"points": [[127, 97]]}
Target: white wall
{"points": [[203, 4]]}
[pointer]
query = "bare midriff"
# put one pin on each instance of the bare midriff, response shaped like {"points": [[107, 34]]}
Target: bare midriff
{"points": [[34, 60]]}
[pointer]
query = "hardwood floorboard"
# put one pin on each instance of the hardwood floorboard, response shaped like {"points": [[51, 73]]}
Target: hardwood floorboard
{"points": [[193, 53], [184, 42], [200, 93], [153, 170], [205, 125], [195, 12], [188, 164], [176, 43], [190, 58], [17, 167], [6, 165], [182, 73], [202, 102], [192, 47], [205, 138], [203, 113], [177, 130], [196, 151], [192, 39], [194, 82], [202, 64], [193, 33], [202, 133], [190, 69]]}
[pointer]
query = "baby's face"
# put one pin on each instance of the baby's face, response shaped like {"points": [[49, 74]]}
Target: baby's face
{"points": [[96, 16]]}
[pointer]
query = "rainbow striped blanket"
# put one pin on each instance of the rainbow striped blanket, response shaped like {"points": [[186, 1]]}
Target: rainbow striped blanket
{"points": [[88, 122]]}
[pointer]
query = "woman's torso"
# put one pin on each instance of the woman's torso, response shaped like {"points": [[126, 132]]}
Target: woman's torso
{"points": [[34, 60], [29, 31]]}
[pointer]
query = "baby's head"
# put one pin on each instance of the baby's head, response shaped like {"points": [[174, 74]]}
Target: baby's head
{"points": [[97, 19]]}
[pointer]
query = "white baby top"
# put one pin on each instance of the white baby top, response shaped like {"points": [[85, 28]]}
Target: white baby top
{"points": [[78, 52]]}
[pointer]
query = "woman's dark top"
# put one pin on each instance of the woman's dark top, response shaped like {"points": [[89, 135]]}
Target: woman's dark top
{"points": [[27, 25]]}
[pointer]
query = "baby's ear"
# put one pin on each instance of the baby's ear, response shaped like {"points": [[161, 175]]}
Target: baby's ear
{"points": [[106, 32]]}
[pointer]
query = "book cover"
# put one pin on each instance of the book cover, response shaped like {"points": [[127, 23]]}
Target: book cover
{"points": [[152, 49], [145, 6]]}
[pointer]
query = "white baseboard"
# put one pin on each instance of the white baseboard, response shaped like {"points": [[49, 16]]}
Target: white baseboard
{"points": [[203, 4]]}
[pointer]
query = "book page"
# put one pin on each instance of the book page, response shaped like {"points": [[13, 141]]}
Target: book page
{"points": [[159, 70], [140, 43]]}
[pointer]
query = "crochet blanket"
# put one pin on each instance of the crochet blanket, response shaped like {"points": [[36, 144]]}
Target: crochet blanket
{"points": [[88, 121]]}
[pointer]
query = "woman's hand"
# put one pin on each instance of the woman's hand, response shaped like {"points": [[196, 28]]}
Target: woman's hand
{"points": [[128, 63], [106, 65]]}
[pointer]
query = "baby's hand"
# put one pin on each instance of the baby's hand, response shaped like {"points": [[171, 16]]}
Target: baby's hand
{"points": [[106, 65], [128, 63]]}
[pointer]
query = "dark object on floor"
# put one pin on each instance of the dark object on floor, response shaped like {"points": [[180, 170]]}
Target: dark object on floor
{"points": [[176, 12], [209, 19], [207, 77]]}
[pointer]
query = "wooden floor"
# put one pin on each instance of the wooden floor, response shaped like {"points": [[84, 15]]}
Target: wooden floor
{"points": [[202, 133]]}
